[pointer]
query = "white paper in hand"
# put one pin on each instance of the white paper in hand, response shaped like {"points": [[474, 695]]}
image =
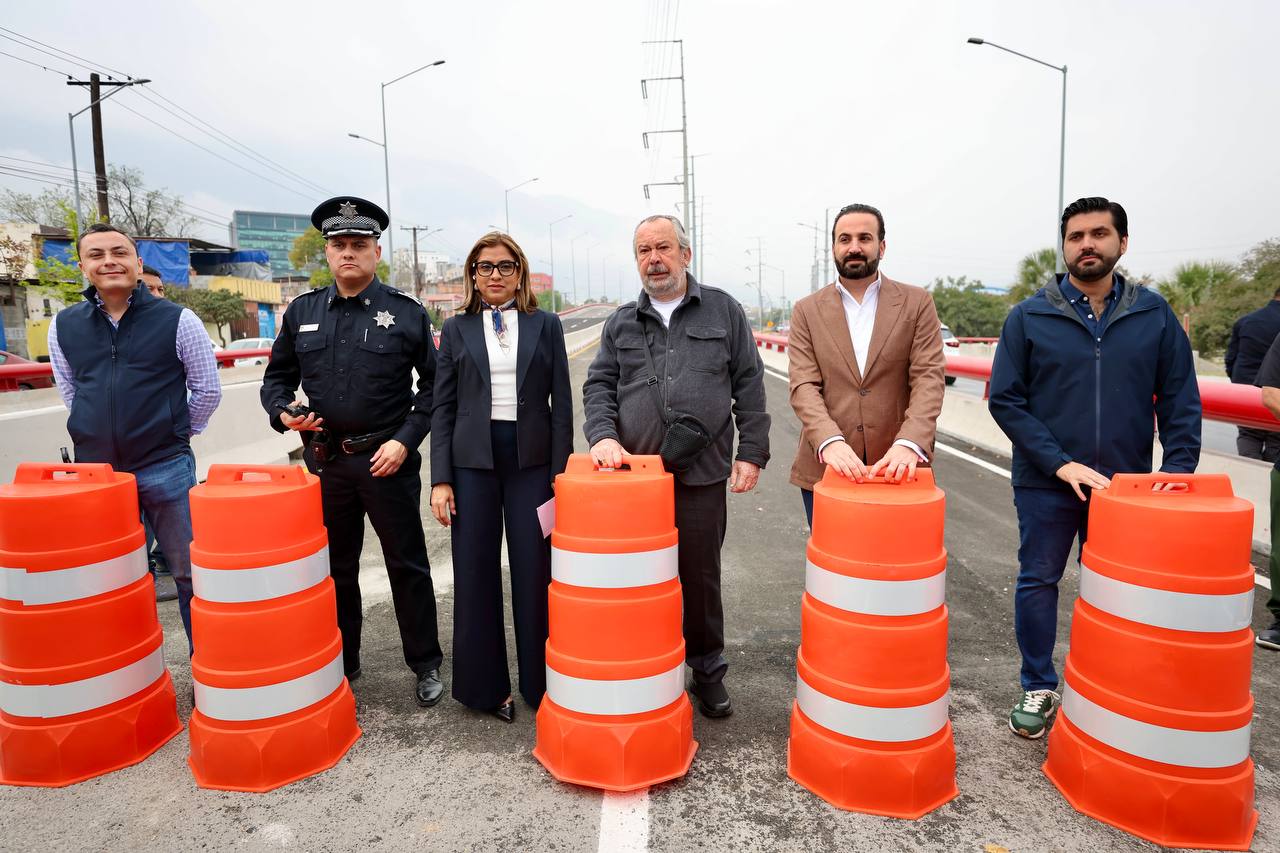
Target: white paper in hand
{"points": [[547, 517]]}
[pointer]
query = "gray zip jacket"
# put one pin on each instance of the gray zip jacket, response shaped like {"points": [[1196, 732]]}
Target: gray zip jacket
{"points": [[707, 367]]}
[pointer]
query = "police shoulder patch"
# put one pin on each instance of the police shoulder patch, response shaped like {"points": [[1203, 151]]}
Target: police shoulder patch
{"points": [[405, 295]]}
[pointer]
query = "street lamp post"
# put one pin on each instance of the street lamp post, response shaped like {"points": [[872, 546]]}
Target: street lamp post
{"points": [[573, 264], [506, 206], [817, 232], [386, 158], [551, 242], [1062, 140], [71, 127]]}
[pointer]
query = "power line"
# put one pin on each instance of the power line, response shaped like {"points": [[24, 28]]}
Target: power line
{"points": [[71, 56], [36, 64], [211, 151], [61, 181], [227, 139], [47, 53]]}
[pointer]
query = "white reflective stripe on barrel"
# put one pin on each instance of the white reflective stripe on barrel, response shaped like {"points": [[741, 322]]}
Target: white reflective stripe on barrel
{"points": [[63, 585], [73, 697], [622, 696], [270, 700], [1180, 747], [237, 586], [875, 597], [1181, 611], [614, 571], [868, 722]]}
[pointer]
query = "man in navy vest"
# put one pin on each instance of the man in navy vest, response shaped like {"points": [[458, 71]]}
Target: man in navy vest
{"points": [[124, 362]]}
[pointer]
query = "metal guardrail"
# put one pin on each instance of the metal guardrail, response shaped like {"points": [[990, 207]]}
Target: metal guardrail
{"points": [[1220, 401]]}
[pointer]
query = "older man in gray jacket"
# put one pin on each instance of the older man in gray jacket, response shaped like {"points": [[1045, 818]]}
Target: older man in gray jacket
{"points": [[700, 346]]}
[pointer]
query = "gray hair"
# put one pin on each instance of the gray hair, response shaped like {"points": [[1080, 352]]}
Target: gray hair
{"points": [[682, 237]]}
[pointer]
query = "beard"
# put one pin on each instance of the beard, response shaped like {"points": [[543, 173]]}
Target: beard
{"points": [[1098, 271], [662, 288], [855, 267]]}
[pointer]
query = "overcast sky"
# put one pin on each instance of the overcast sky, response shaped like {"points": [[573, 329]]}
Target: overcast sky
{"points": [[1172, 110]]}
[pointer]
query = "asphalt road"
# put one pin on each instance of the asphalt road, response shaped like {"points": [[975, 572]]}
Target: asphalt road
{"points": [[451, 779]]}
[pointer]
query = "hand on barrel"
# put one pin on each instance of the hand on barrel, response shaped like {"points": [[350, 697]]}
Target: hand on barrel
{"points": [[897, 465], [608, 453], [839, 455], [442, 504], [1076, 475]]}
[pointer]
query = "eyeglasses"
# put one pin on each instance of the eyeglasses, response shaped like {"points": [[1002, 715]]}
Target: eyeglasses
{"points": [[504, 268]]}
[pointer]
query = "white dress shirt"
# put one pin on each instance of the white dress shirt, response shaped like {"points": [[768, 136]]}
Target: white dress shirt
{"points": [[861, 317], [502, 363]]}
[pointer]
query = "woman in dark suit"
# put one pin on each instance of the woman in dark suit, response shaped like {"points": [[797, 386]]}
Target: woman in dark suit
{"points": [[501, 430]]}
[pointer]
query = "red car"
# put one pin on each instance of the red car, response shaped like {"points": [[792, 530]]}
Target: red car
{"points": [[26, 383]]}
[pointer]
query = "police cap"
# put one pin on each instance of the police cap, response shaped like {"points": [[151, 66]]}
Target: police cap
{"points": [[346, 214]]}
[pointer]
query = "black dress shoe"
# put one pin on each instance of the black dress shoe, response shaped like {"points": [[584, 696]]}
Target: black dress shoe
{"points": [[712, 699], [430, 688], [353, 674], [506, 711]]}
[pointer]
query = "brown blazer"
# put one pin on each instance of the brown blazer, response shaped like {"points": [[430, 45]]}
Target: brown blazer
{"points": [[900, 394]]}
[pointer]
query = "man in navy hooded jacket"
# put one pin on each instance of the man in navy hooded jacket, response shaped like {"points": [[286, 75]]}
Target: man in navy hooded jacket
{"points": [[1082, 370]]}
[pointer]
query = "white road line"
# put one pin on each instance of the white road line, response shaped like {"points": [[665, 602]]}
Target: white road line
{"points": [[1261, 580], [967, 457], [25, 413], [624, 822]]}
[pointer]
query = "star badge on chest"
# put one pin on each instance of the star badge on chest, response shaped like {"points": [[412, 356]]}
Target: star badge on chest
{"points": [[384, 319]]}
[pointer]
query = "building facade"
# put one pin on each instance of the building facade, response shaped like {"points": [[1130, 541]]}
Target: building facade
{"points": [[274, 233]]}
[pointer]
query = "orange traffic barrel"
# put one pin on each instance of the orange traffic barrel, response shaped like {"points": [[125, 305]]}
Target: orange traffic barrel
{"points": [[869, 727], [272, 702], [83, 684], [1153, 736], [615, 715]]}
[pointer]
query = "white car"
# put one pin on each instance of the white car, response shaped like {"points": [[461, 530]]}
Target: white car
{"points": [[250, 343], [949, 342]]}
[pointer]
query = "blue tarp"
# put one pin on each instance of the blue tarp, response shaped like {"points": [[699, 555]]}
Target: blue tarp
{"points": [[171, 258], [249, 263]]}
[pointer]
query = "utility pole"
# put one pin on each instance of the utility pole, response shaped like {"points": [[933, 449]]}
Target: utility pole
{"points": [[417, 273], [759, 277], [683, 130], [95, 85], [826, 261]]}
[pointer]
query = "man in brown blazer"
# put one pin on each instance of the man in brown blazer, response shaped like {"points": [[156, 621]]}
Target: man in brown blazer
{"points": [[867, 370]]}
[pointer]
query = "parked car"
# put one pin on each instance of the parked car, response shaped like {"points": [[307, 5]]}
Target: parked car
{"points": [[27, 383], [250, 343], [949, 342]]}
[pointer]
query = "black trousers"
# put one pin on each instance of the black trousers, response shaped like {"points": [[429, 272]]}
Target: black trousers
{"points": [[701, 515], [485, 500], [349, 492], [1258, 444]]}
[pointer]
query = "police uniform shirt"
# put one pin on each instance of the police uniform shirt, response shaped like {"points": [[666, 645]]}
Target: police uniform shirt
{"points": [[354, 358]]}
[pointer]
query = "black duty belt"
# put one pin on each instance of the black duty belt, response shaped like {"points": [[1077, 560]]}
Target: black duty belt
{"points": [[349, 443]]}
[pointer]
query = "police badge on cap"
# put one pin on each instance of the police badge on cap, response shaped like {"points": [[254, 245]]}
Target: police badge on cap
{"points": [[346, 214]]}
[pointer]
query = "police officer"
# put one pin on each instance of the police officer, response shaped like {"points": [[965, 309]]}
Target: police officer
{"points": [[353, 347]]}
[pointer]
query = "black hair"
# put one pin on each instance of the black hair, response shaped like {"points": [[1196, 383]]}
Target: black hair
{"points": [[858, 208], [147, 269], [1097, 204], [103, 228]]}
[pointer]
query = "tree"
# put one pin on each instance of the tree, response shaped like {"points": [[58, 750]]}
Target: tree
{"points": [[143, 212], [967, 309], [218, 307], [1033, 271], [47, 208], [1256, 279], [14, 255], [1192, 283], [307, 255], [136, 209], [61, 280]]}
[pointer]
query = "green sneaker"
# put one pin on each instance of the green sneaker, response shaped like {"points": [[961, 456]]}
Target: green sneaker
{"points": [[1034, 713]]}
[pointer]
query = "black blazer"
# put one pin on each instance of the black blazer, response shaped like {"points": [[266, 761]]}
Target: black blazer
{"points": [[462, 402]]}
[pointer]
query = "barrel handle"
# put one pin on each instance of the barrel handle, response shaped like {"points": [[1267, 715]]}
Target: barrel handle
{"points": [[1205, 485], [923, 479], [582, 463], [283, 475], [84, 472]]}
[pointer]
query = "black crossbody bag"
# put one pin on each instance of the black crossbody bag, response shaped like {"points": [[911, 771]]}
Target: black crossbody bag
{"points": [[685, 437]]}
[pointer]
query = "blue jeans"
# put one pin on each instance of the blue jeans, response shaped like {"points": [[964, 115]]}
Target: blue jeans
{"points": [[806, 497], [163, 498], [1049, 520]]}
